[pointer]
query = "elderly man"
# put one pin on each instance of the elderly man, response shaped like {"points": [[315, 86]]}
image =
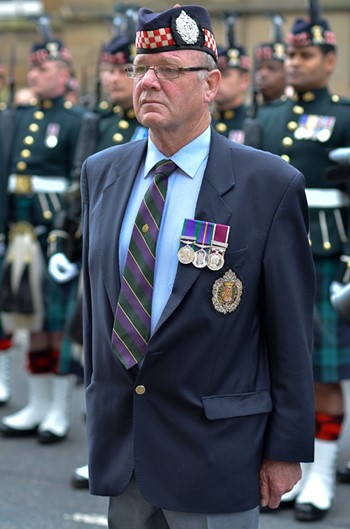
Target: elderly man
{"points": [[197, 327]]}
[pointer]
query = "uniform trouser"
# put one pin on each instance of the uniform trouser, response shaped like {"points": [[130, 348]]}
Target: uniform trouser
{"points": [[131, 510]]}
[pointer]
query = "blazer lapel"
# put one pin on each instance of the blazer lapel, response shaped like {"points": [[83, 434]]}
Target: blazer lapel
{"points": [[113, 204], [211, 206]]}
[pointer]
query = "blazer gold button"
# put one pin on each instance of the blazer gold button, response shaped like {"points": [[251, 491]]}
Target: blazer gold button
{"points": [[140, 390]]}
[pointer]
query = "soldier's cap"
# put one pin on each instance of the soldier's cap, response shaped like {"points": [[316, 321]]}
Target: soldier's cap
{"points": [[120, 50], [53, 50], [235, 57], [310, 33], [268, 51], [179, 28]]}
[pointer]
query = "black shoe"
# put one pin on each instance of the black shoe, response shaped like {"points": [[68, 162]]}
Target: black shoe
{"points": [[79, 482], [343, 476], [8, 431], [307, 512], [45, 437]]}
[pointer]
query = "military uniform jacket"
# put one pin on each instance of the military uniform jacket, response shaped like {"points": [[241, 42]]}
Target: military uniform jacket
{"points": [[44, 144], [216, 392], [229, 123], [302, 131], [116, 127], [45, 139]]}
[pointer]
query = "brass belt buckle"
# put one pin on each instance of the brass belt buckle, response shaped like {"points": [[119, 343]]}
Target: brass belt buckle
{"points": [[23, 184]]}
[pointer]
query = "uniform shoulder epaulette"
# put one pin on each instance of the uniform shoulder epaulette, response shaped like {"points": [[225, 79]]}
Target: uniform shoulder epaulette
{"points": [[340, 100]]}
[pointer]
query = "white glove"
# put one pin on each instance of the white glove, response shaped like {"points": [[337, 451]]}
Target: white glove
{"points": [[61, 269], [340, 155], [335, 288]]}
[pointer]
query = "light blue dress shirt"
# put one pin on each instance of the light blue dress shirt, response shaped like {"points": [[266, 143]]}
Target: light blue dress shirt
{"points": [[183, 190]]}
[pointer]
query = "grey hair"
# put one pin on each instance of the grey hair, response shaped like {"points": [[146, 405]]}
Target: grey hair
{"points": [[207, 62]]}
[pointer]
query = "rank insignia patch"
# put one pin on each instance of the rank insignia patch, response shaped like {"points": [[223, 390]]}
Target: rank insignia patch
{"points": [[227, 292]]}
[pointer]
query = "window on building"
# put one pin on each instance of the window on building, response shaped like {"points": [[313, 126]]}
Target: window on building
{"points": [[20, 8]]}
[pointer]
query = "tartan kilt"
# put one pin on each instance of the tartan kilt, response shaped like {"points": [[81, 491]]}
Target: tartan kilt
{"points": [[56, 297], [331, 352]]}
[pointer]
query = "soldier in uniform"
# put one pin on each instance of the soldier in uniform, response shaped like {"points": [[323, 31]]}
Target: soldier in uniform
{"points": [[269, 70], [231, 109], [117, 123], [40, 169], [302, 131], [7, 119]]}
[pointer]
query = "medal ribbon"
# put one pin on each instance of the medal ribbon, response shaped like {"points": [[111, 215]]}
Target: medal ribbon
{"points": [[221, 233]]}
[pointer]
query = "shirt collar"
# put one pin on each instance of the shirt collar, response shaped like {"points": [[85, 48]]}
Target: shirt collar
{"points": [[188, 159]]}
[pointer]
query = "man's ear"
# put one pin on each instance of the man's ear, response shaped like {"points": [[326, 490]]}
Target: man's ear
{"points": [[330, 61], [213, 81]]}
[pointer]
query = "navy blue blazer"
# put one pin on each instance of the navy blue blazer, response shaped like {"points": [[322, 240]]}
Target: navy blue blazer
{"points": [[222, 391]]}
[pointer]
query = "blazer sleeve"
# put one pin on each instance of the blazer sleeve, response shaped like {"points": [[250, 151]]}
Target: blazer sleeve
{"points": [[87, 313], [288, 294]]}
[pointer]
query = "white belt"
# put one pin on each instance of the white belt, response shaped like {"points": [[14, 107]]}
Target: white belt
{"points": [[326, 198], [40, 184]]}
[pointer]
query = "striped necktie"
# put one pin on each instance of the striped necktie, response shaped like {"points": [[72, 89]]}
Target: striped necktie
{"points": [[132, 322]]}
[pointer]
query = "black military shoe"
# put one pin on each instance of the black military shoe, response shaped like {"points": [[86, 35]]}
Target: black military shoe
{"points": [[343, 475], [307, 512], [80, 478]]}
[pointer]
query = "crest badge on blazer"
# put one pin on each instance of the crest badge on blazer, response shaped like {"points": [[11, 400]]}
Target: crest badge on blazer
{"points": [[227, 292]]}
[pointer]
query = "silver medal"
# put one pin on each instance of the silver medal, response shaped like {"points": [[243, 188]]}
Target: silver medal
{"points": [[215, 261], [200, 258], [186, 254]]}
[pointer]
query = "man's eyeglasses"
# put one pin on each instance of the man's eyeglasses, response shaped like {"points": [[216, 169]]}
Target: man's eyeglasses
{"points": [[162, 71]]}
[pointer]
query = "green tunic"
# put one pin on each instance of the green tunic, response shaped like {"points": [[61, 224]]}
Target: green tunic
{"points": [[303, 131], [117, 126], [229, 123]]}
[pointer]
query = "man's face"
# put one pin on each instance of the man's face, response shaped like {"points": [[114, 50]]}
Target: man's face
{"points": [[232, 89], [116, 84], [270, 79], [48, 79], [176, 104], [308, 68]]}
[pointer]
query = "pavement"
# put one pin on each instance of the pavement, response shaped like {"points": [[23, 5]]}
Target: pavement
{"points": [[35, 490]]}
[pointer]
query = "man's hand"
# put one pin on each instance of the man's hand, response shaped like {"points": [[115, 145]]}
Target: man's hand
{"points": [[61, 269], [276, 478]]}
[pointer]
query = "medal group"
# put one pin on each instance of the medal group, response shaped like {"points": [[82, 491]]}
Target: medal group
{"points": [[203, 244]]}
